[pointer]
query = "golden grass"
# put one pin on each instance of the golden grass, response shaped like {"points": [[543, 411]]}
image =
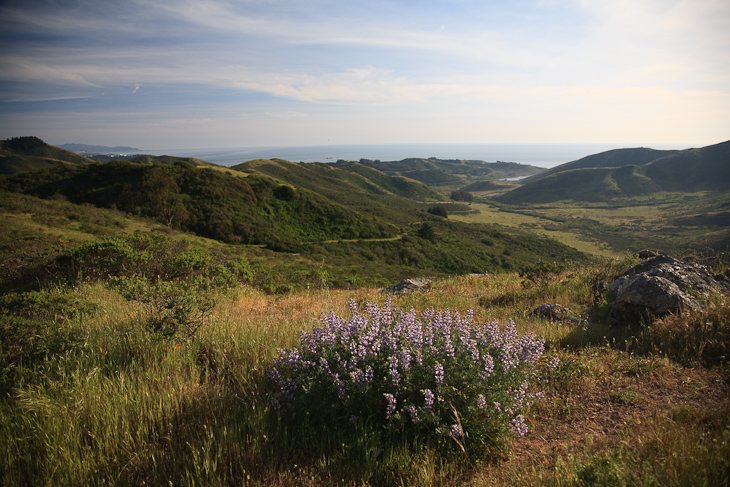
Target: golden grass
{"points": [[132, 409]]}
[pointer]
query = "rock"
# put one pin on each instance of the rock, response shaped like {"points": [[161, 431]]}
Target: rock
{"points": [[662, 285], [551, 311], [407, 286], [645, 254]]}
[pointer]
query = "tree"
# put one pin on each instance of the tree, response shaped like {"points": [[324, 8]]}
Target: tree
{"points": [[438, 211], [460, 195], [165, 200], [426, 231]]}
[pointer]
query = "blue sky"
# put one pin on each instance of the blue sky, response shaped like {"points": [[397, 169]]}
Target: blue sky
{"points": [[250, 73]]}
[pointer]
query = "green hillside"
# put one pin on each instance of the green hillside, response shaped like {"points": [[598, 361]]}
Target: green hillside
{"points": [[20, 154], [148, 159], [353, 185], [707, 168], [208, 202], [387, 242], [612, 158], [591, 180], [589, 184], [454, 172]]}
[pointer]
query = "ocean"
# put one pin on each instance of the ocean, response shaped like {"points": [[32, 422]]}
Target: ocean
{"points": [[540, 155]]}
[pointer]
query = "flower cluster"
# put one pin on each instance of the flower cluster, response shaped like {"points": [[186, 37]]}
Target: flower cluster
{"points": [[412, 371]]}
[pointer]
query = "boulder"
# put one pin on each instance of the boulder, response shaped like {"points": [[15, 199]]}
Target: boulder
{"points": [[552, 311], [661, 285], [407, 286]]}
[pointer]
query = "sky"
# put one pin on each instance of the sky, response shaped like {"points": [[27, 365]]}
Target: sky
{"points": [[253, 73]]}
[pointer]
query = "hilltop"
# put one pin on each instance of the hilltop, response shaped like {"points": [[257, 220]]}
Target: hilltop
{"points": [[628, 173], [21, 154], [438, 172], [99, 149]]}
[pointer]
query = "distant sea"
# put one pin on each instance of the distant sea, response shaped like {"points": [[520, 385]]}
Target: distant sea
{"points": [[540, 155]]}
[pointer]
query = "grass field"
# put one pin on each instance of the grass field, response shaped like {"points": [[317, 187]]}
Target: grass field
{"points": [[486, 213], [122, 407], [665, 222]]}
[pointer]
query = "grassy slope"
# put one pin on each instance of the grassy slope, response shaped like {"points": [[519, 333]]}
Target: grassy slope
{"points": [[612, 158], [628, 172], [127, 409], [356, 185], [30, 153], [171, 160]]}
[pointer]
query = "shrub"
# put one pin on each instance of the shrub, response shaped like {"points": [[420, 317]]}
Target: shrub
{"points": [[433, 375], [171, 306], [541, 273], [438, 211]]}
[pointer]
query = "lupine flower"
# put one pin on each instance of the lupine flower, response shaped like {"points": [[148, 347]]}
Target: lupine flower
{"points": [[390, 408], [413, 411], [378, 348], [488, 367], [455, 432], [439, 373], [518, 425], [481, 401], [393, 370], [428, 399], [553, 364]]}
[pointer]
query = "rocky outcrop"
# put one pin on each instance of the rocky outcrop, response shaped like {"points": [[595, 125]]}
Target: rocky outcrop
{"points": [[407, 286], [661, 285]]}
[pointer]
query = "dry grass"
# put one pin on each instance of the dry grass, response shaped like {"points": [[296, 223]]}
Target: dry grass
{"points": [[131, 409]]}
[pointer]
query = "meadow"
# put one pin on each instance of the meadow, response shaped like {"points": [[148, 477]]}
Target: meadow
{"points": [[101, 399], [666, 221]]}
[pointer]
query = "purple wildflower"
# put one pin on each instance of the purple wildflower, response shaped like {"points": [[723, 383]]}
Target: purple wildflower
{"points": [[427, 399], [553, 364], [413, 411], [439, 373], [393, 370], [481, 401], [390, 408], [488, 367], [455, 432], [518, 425]]}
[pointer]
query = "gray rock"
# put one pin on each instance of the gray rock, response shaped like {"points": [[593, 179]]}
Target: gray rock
{"points": [[551, 311], [407, 286], [662, 285]]}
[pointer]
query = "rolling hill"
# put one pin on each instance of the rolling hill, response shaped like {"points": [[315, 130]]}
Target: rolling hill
{"points": [[351, 220], [436, 172], [628, 173], [148, 159], [21, 154], [353, 185]]}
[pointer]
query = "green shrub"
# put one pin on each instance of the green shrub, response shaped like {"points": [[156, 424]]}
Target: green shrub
{"points": [[171, 307]]}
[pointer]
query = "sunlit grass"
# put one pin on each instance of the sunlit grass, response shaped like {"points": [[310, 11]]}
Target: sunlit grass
{"points": [[130, 409]]}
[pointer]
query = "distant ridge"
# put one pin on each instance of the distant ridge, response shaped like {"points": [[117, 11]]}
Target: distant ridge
{"points": [[612, 158], [148, 159], [99, 149], [628, 172], [22, 154]]}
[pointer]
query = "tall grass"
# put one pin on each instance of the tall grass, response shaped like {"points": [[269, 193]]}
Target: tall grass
{"points": [[129, 408]]}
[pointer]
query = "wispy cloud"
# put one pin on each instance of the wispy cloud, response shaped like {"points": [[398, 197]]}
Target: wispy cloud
{"points": [[322, 62]]}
